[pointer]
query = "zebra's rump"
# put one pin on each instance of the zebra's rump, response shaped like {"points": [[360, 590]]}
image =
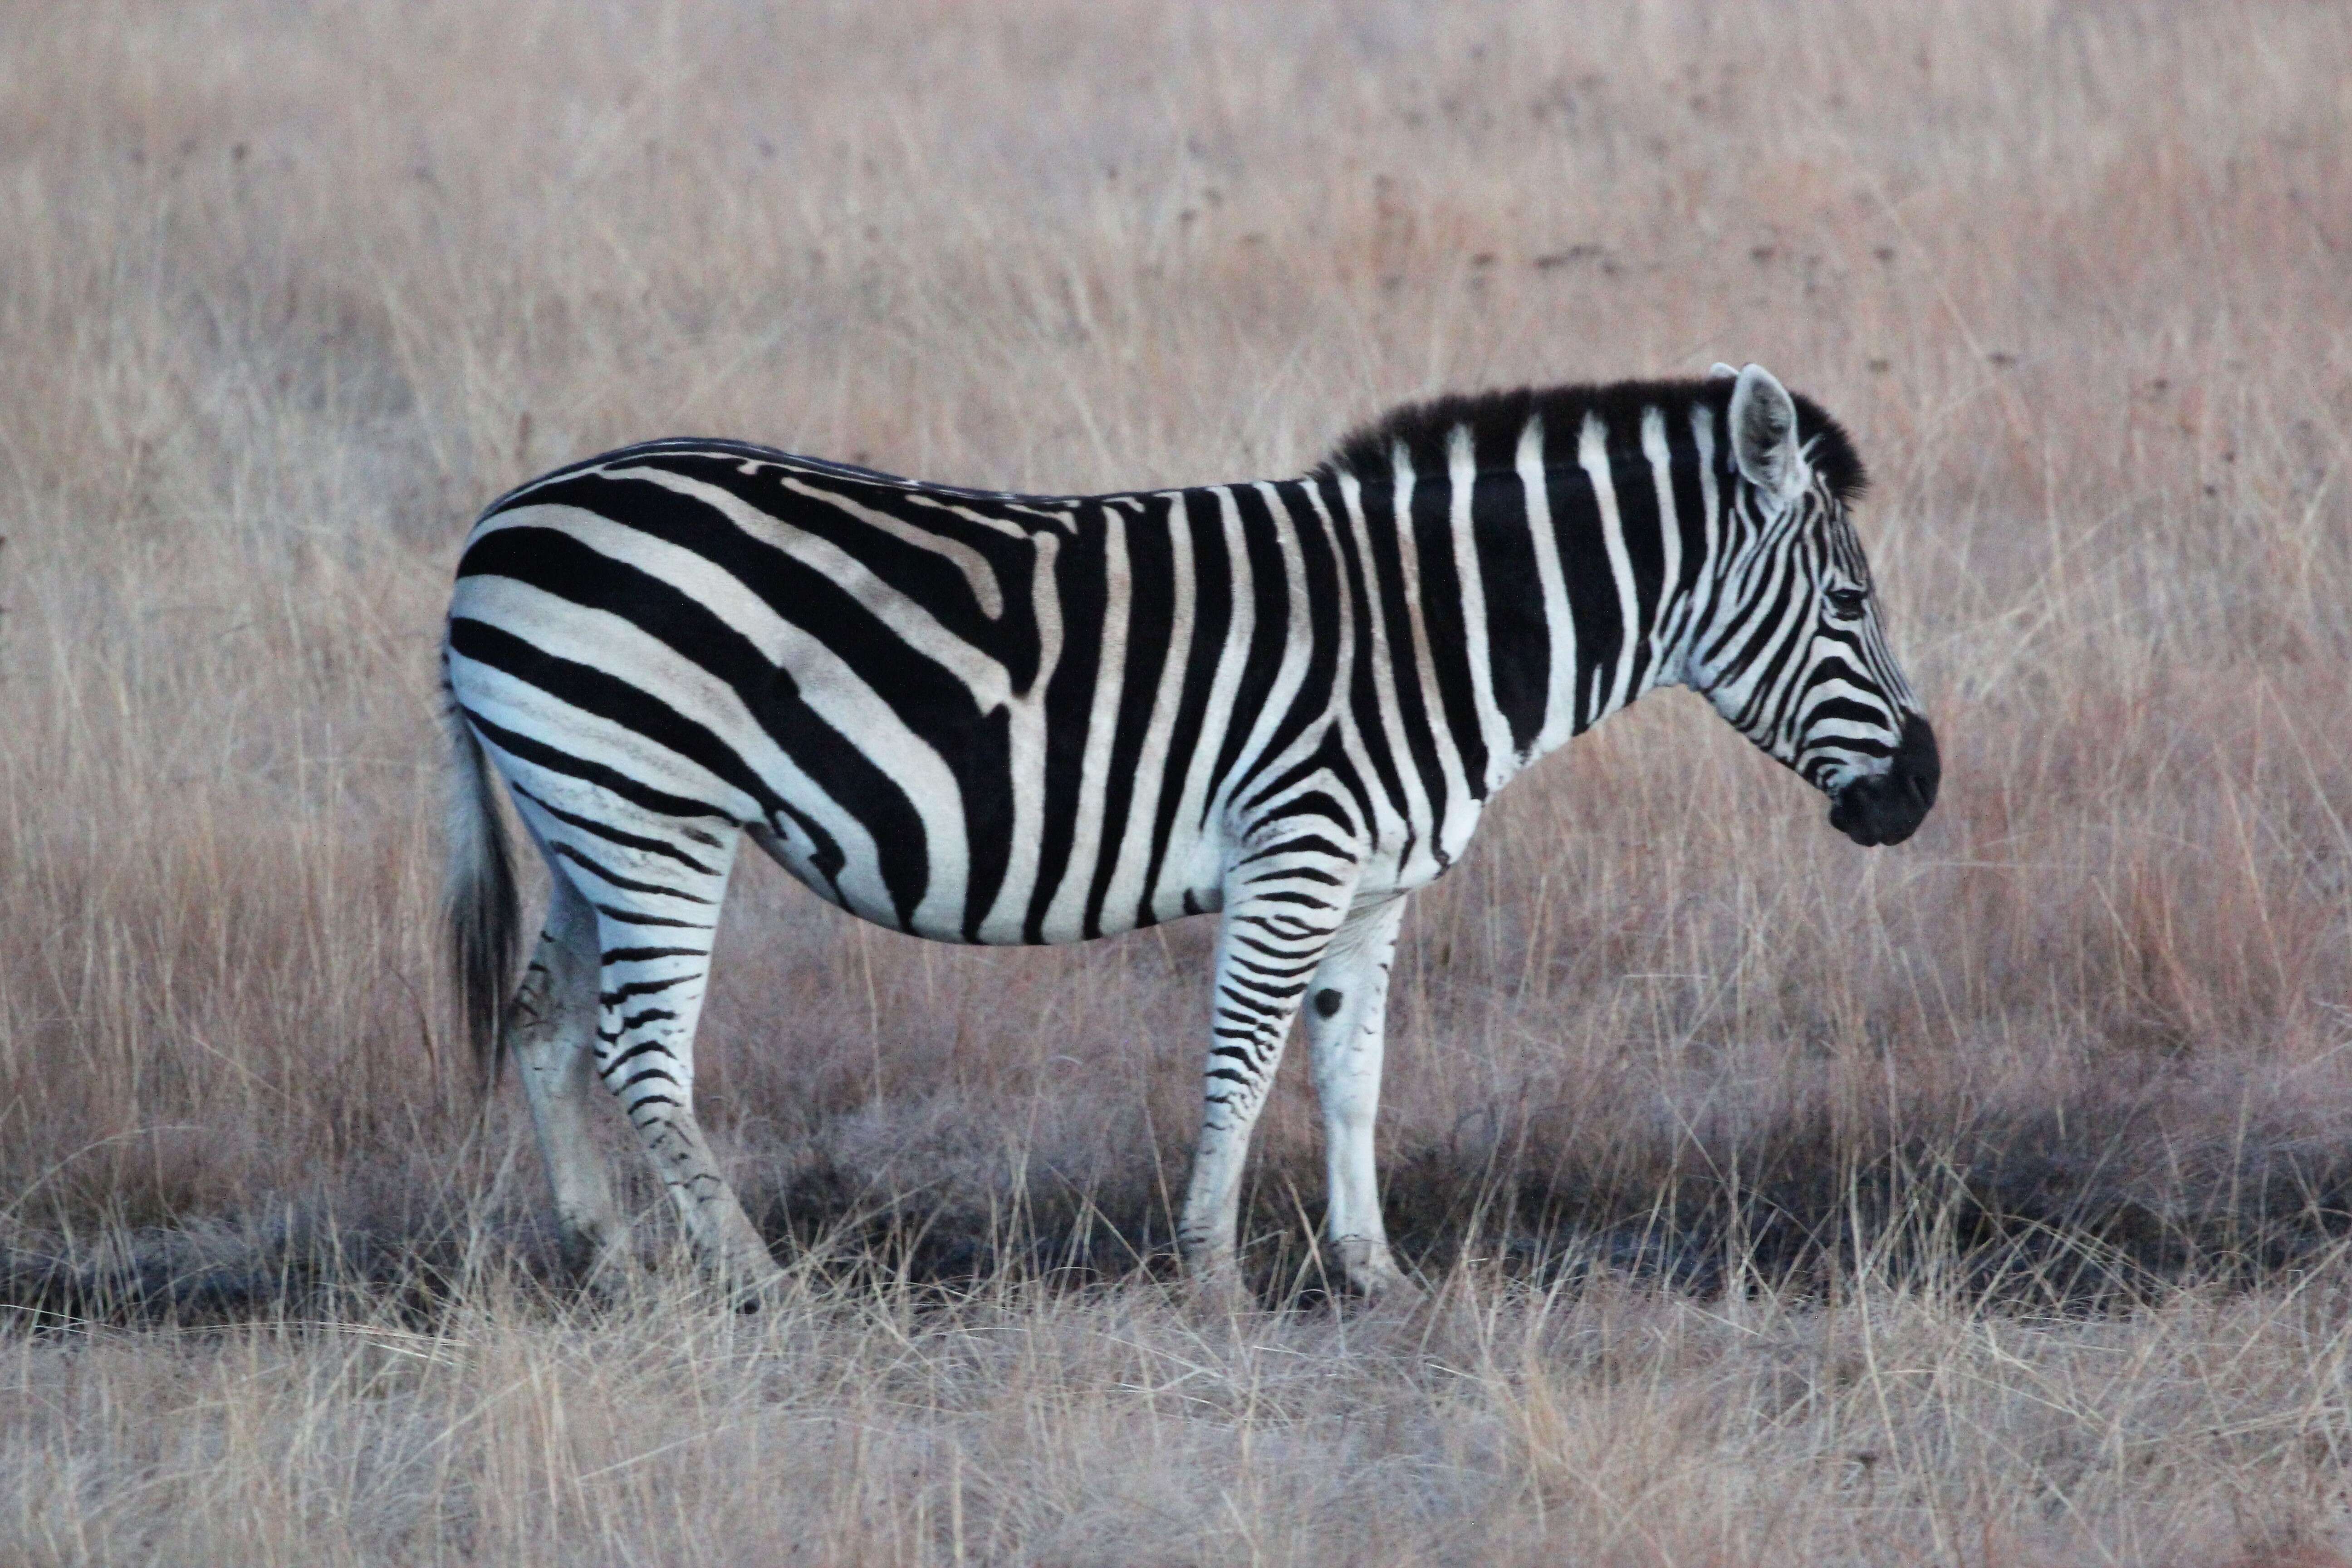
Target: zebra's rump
{"points": [[970, 715]]}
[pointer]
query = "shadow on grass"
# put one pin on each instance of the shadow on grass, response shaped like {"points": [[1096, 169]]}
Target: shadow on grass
{"points": [[2016, 1215], [2019, 1215]]}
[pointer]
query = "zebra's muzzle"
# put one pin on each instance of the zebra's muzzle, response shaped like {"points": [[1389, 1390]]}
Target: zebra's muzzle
{"points": [[1889, 807]]}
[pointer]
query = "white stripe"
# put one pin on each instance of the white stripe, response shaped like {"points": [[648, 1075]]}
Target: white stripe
{"points": [[1593, 455], [1702, 420], [1386, 826], [1672, 610], [1064, 517], [1126, 890], [530, 711], [978, 574], [1449, 756], [995, 524], [1415, 803], [1009, 911], [1297, 658], [1193, 807], [1494, 729]]}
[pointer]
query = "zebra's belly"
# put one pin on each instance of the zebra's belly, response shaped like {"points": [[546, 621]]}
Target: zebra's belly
{"points": [[1074, 900], [1384, 877], [1080, 903]]}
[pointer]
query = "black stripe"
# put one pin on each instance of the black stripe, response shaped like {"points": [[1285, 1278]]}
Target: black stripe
{"points": [[611, 835], [1412, 715], [1518, 637], [1690, 502], [1272, 596], [540, 755], [634, 1052], [608, 696], [630, 917], [1150, 620], [1638, 521], [1079, 578], [1363, 690], [606, 874], [1779, 619], [1320, 569], [1212, 606], [1448, 651], [1584, 567], [927, 577], [985, 785]]}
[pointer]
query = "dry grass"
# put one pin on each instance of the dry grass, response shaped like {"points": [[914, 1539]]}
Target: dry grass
{"points": [[1981, 1201]]}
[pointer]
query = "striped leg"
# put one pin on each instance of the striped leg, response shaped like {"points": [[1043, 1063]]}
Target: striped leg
{"points": [[1283, 903], [654, 890], [552, 1028], [1347, 1013]]}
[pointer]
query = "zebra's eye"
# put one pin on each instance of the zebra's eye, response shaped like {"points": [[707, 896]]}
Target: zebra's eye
{"points": [[1846, 603]]}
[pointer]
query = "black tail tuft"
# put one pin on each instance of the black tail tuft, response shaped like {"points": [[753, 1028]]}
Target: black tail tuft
{"points": [[484, 915]]}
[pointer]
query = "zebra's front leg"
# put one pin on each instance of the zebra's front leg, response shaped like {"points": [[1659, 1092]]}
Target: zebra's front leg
{"points": [[1277, 923], [1347, 1012], [551, 1026]]}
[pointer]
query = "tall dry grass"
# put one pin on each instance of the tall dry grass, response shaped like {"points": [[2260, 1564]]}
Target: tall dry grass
{"points": [[1977, 1201]]}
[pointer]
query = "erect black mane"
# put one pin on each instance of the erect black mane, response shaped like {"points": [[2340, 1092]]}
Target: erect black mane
{"points": [[1495, 420]]}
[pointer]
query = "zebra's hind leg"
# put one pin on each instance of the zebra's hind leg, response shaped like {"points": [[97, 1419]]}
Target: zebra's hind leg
{"points": [[1281, 906], [1346, 1014], [654, 889], [552, 1029]]}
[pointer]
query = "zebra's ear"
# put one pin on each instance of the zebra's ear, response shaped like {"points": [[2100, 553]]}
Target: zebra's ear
{"points": [[1764, 432], [1722, 372]]}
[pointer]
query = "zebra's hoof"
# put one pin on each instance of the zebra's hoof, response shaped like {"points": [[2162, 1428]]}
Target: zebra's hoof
{"points": [[1371, 1273], [1385, 1280], [1387, 1294], [754, 1291], [1216, 1289], [601, 1265]]}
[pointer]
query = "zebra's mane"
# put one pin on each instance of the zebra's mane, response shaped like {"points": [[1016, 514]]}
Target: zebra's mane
{"points": [[1495, 420]]}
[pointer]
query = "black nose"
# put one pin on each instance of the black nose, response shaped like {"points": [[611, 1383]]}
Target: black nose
{"points": [[1889, 807]]}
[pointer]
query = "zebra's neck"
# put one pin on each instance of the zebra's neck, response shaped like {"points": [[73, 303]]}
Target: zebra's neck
{"points": [[1552, 576]]}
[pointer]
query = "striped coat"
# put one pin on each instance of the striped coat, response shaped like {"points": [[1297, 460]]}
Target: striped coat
{"points": [[990, 718]]}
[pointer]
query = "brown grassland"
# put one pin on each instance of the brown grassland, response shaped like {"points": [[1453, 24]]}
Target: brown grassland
{"points": [[1982, 1201]]}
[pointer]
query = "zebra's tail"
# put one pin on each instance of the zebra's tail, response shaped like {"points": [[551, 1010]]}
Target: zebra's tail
{"points": [[485, 916]]}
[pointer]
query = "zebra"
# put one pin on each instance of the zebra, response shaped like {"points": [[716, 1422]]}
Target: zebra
{"points": [[978, 716]]}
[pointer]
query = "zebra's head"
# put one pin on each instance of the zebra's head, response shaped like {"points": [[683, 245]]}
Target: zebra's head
{"points": [[1791, 649]]}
